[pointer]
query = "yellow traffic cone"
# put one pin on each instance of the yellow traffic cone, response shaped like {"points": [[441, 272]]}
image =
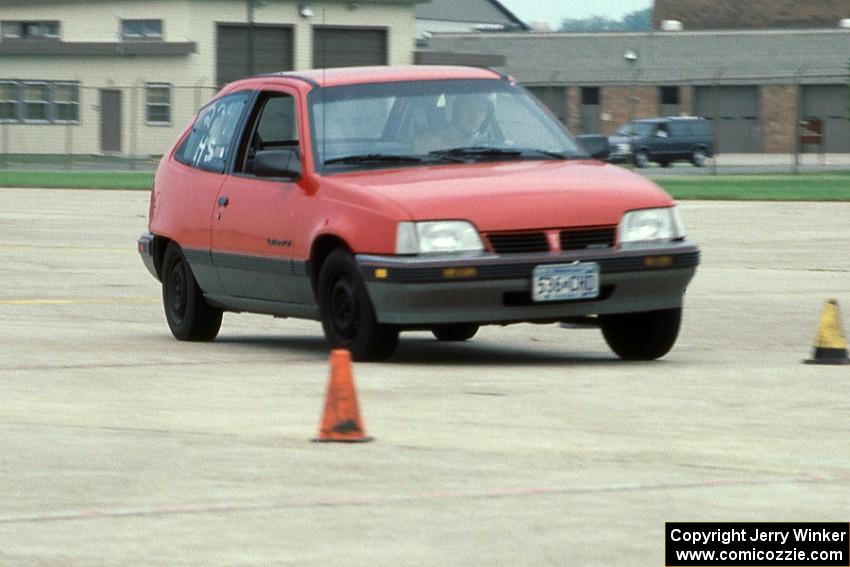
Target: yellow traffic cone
{"points": [[830, 343]]}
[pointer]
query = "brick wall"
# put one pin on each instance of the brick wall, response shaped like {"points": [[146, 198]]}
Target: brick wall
{"points": [[686, 100], [751, 14], [778, 117], [615, 106], [573, 116]]}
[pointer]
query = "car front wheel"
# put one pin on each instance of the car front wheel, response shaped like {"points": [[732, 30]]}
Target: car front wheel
{"points": [[348, 317], [189, 317], [642, 336]]}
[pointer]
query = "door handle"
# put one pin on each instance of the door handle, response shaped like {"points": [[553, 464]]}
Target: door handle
{"points": [[223, 201]]}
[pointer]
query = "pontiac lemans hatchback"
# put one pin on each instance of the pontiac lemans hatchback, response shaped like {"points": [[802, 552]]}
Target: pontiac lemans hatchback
{"points": [[380, 200]]}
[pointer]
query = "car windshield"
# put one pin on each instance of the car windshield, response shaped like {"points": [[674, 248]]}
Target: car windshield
{"points": [[408, 123]]}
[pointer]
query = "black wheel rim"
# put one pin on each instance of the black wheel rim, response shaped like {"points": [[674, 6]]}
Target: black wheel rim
{"points": [[345, 313], [177, 295]]}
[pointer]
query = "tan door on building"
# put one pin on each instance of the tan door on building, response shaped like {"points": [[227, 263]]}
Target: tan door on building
{"points": [[110, 121]]}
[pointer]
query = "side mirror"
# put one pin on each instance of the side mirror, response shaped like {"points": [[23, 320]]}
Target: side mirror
{"points": [[277, 163], [595, 145]]}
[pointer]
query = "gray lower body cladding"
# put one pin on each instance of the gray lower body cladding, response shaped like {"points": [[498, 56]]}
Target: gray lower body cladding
{"points": [[415, 292]]}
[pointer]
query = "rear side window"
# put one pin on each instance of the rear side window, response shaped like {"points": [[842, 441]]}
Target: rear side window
{"points": [[701, 128], [211, 142], [679, 129]]}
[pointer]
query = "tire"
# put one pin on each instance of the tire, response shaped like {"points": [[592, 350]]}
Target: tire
{"points": [[699, 157], [641, 159], [641, 336], [189, 317], [348, 317], [455, 333]]}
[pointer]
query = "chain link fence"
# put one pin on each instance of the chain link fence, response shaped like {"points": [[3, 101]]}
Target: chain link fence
{"points": [[129, 127]]}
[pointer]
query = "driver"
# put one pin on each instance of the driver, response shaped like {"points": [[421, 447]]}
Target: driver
{"points": [[469, 120]]}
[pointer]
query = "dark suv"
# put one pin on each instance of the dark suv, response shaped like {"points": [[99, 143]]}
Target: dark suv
{"points": [[663, 140]]}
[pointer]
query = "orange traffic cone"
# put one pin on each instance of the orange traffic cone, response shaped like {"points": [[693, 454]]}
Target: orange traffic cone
{"points": [[830, 344], [341, 419]]}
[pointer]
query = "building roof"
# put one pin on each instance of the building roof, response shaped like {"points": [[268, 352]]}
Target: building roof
{"points": [[726, 57], [490, 12]]}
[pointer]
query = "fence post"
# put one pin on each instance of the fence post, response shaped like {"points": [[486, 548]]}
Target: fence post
{"points": [[4, 144], [134, 119]]}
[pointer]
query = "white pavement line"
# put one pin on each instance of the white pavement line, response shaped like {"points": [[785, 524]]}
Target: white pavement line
{"points": [[79, 300], [84, 249], [142, 511]]}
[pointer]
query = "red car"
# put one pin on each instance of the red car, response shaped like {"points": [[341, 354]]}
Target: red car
{"points": [[379, 200]]}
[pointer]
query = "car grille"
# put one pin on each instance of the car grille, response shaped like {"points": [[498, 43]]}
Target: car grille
{"points": [[519, 242], [578, 239]]}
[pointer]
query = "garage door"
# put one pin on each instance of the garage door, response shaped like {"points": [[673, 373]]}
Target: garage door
{"points": [[734, 112], [234, 59], [348, 47], [829, 104], [555, 99]]}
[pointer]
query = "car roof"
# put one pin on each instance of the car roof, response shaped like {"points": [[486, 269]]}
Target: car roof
{"points": [[364, 75]]}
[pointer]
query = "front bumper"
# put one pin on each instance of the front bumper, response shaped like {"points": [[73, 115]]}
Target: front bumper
{"points": [[489, 288], [145, 245]]}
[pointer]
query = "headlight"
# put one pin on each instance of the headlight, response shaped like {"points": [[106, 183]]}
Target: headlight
{"points": [[649, 225], [434, 237]]}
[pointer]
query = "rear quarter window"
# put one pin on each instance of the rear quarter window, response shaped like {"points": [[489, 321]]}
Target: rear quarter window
{"points": [[211, 142], [679, 129], [702, 128]]}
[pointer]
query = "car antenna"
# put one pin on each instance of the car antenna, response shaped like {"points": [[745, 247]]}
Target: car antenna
{"points": [[324, 103]]}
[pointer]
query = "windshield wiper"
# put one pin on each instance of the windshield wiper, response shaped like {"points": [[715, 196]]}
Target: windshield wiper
{"points": [[546, 153], [495, 153], [374, 158], [475, 151]]}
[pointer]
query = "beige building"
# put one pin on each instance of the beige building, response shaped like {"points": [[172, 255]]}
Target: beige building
{"points": [[126, 76]]}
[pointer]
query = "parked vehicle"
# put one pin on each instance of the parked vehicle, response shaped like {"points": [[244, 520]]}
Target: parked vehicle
{"points": [[663, 141], [379, 200]]}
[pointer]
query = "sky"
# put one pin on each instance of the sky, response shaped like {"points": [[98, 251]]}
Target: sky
{"points": [[553, 11]]}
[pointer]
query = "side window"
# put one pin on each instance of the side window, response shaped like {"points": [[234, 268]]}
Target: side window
{"points": [[702, 128], [274, 126], [679, 129], [209, 144]]}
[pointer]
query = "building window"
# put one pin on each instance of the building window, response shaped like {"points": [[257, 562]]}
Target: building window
{"points": [[36, 102], [590, 96], [141, 29], [669, 95], [66, 102], [30, 30], [158, 104], [8, 101], [39, 101]]}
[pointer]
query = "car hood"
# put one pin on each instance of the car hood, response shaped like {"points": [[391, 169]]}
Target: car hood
{"points": [[618, 140], [515, 195]]}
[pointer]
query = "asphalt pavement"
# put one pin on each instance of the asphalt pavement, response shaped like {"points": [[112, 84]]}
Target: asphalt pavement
{"points": [[529, 445]]}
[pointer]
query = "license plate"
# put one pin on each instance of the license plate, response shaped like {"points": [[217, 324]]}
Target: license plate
{"points": [[563, 282]]}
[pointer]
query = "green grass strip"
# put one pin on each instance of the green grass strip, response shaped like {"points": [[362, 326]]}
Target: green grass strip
{"points": [[77, 179], [773, 187], [755, 187]]}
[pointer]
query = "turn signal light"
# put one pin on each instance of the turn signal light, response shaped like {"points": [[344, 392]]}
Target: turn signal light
{"points": [[658, 261]]}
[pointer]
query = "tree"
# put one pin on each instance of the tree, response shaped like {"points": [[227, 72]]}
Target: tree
{"points": [[640, 20]]}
